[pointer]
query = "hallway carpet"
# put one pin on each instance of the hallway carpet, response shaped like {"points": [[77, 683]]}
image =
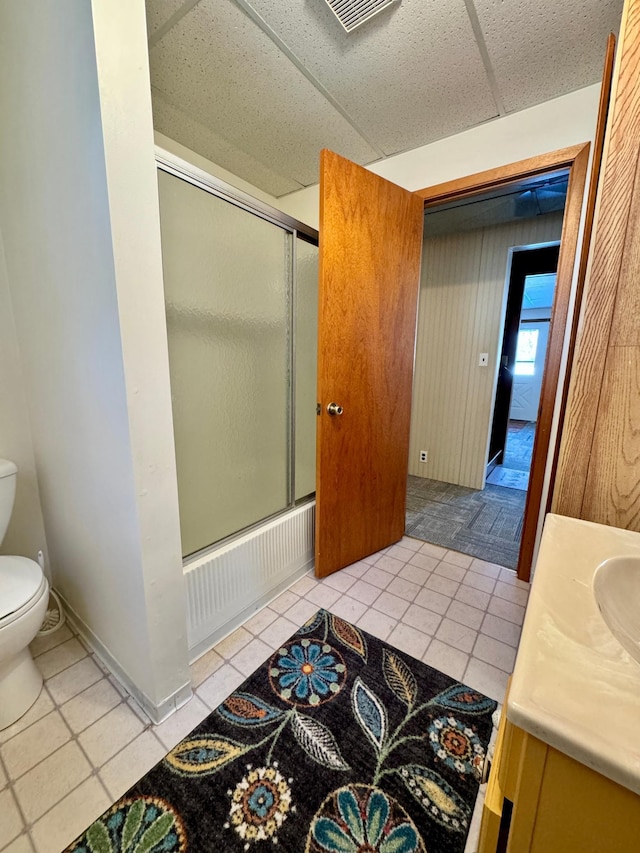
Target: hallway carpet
{"points": [[513, 473], [485, 524]]}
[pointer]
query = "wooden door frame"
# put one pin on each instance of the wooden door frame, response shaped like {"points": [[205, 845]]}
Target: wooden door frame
{"points": [[575, 159]]}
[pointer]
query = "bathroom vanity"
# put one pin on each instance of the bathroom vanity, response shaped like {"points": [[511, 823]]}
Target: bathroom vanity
{"points": [[566, 771]]}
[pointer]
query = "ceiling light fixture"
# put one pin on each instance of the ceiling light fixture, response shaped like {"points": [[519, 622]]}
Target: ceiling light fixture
{"points": [[353, 13]]}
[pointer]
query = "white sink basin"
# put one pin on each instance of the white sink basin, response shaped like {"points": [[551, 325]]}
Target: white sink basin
{"points": [[616, 587]]}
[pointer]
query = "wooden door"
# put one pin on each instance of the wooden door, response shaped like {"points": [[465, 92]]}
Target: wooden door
{"points": [[370, 250]]}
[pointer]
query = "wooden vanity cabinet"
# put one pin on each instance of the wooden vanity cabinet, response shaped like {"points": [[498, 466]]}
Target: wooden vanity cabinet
{"points": [[539, 800]]}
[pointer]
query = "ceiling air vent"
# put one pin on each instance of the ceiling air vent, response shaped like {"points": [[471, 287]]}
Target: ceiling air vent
{"points": [[352, 13]]}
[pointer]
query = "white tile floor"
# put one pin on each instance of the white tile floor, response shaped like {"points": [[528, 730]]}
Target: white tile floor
{"points": [[84, 742]]}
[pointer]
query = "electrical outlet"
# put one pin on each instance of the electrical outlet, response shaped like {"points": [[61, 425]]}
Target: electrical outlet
{"points": [[423, 455]]}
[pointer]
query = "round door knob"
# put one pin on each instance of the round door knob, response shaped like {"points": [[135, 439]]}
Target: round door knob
{"points": [[334, 409]]}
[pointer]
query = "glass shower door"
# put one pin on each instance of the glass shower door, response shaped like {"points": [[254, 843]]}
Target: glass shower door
{"points": [[227, 275]]}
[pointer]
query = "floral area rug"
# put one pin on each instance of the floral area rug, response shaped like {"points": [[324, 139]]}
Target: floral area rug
{"points": [[337, 744]]}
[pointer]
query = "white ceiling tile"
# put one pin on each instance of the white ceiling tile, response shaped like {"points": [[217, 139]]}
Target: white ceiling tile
{"points": [[219, 69], [409, 76], [159, 12], [177, 125], [540, 49]]}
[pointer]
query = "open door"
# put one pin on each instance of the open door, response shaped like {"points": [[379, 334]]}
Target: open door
{"points": [[370, 250]]}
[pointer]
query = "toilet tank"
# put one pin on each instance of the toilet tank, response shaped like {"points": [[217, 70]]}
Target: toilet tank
{"points": [[8, 473]]}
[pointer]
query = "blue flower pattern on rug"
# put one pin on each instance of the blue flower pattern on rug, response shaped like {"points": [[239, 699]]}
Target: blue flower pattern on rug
{"points": [[338, 744]]}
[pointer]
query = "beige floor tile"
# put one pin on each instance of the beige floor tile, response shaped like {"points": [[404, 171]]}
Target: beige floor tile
{"points": [[41, 788], [3, 775], [457, 635], [426, 562], [450, 570], [128, 766], [40, 708], [303, 586], [364, 592], [474, 597], [301, 612], [445, 586], [178, 725], [348, 608], [232, 644], [109, 734], [506, 610], [278, 632], [509, 576], [494, 652], [50, 641], [34, 744], [284, 601], [10, 817], [481, 582], [458, 559], [465, 614], [486, 678], [63, 656], [371, 558], [69, 818], [501, 629], [452, 662], [401, 552], [88, 706], [414, 574], [357, 569], [390, 563], [433, 600], [74, 680], [376, 577], [260, 620], [22, 844], [409, 640], [411, 543], [378, 624], [424, 620], [339, 581], [138, 711], [323, 596], [249, 659], [390, 604], [205, 666], [433, 550], [403, 588], [482, 567], [220, 685], [512, 593]]}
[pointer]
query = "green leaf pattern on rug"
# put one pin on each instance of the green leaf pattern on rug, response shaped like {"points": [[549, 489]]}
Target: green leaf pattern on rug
{"points": [[369, 712], [459, 697], [399, 678], [141, 825], [204, 754], [318, 742], [361, 818], [243, 709]]}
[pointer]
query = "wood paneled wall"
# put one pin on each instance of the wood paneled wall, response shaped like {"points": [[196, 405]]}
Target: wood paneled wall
{"points": [[598, 474], [460, 315]]}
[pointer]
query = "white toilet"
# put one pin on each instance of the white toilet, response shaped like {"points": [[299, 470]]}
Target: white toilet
{"points": [[24, 595]]}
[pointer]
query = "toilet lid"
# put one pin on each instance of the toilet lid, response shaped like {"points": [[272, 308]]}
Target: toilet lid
{"points": [[20, 580]]}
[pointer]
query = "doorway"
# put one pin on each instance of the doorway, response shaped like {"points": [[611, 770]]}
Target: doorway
{"points": [[461, 328]]}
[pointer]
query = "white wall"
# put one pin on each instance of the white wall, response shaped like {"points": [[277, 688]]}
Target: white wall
{"points": [[559, 123], [78, 214], [26, 534]]}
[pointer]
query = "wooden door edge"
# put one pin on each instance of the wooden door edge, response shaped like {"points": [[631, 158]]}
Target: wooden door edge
{"points": [[553, 363]]}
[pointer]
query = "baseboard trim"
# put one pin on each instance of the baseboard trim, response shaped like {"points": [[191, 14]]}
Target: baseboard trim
{"points": [[156, 711]]}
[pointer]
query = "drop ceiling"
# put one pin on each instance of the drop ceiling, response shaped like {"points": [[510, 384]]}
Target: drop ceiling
{"points": [[260, 86]]}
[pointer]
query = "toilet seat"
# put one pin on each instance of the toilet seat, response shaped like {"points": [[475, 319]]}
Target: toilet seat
{"points": [[22, 585]]}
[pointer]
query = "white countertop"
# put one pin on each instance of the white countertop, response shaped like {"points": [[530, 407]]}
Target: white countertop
{"points": [[574, 686]]}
